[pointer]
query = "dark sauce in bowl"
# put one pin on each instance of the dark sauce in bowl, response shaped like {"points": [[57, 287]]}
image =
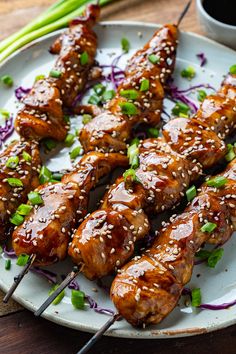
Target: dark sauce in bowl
{"points": [[223, 11]]}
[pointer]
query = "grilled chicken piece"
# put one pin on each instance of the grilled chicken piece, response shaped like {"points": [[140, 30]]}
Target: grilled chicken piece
{"points": [[148, 288], [146, 76], [42, 113], [167, 166], [47, 229], [20, 160]]}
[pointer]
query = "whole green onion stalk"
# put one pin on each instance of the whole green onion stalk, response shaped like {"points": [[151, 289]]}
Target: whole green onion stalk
{"points": [[57, 16]]}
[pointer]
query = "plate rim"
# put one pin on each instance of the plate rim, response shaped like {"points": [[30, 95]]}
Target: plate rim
{"points": [[135, 334]]}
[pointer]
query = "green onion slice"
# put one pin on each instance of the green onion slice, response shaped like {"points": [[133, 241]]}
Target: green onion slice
{"points": [[214, 257], [15, 182], [24, 209], [144, 85], [35, 198], [230, 154], [4, 113], [17, 219], [181, 110], [94, 99], [130, 175], [69, 140], [22, 260], [59, 298], [55, 73], [217, 182], [12, 162], [191, 193], [128, 108], [196, 297], [44, 175], [49, 143], [133, 152], [208, 227], [201, 95], [99, 89], [84, 58], [7, 80], [78, 299], [129, 94], [153, 132], [125, 45], [75, 152], [154, 59], [188, 73], [108, 95], [232, 69], [8, 264], [39, 77], [26, 156], [86, 118]]}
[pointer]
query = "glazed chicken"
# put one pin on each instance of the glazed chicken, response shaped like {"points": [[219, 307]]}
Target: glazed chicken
{"points": [[167, 166], [139, 98], [19, 167], [148, 288], [47, 229], [42, 113]]}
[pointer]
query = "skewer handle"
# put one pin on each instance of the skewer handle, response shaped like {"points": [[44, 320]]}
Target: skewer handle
{"points": [[19, 277], [76, 270], [183, 13], [99, 334]]}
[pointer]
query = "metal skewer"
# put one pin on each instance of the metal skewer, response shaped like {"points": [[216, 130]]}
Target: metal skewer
{"points": [[19, 277], [99, 334], [72, 275], [183, 13]]}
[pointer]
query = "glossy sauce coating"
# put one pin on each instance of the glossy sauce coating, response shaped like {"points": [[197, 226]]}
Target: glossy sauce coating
{"points": [[148, 288], [42, 113], [110, 130], [25, 170], [167, 167], [47, 229]]}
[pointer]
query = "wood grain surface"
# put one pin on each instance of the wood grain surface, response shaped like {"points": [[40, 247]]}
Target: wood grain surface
{"points": [[20, 331]]}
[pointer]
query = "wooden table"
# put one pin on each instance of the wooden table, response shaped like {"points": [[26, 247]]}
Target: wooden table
{"points": [[20, 331]]}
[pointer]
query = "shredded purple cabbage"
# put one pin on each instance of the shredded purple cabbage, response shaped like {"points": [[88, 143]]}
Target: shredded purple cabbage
{"points": [[93, 305], [9, 253], [6, 130], [202, 58], [74, 285], [50, 276], [21, 92]]}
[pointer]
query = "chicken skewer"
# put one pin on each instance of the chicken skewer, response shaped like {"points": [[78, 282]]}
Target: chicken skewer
{"points": [[159, 40], [42, 114], [105, 240], [167, 166], [148, 287], [58, 208]]}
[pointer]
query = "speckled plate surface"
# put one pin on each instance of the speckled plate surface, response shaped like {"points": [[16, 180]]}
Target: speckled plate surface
{"points": [[218, 285]]}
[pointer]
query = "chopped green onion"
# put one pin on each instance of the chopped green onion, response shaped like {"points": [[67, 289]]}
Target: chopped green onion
{"points": [[217, 182], [57, 176], [16, 219], [22, 260], [99, 89], [203, 254], [78, 299], [58, 299], [55, 73], [133, 152], [108, 95], [153, 132], [86, 118], [44, 175], [24, 209], [196, 297], [66, 118], [12, 162], [49, 143], [181, 110], [1, 250], [129, 94], [201, 95], [189, 72], [8, 264], [130, 175], [208, 227], [75, 152], [154, 59], [84, 58], [7, 80], [94, 99], [4, 113], [26, 156], [144, 85], [230, 154], [39, 77], [128, 108], [125, 45], [214, 257], [232, 69], [35, 198], [15, 182], [135, 141], [191, 193], [69, 140]]}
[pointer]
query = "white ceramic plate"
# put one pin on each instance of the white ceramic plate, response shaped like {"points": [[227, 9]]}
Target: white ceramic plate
{"points": [[218, 285]]}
